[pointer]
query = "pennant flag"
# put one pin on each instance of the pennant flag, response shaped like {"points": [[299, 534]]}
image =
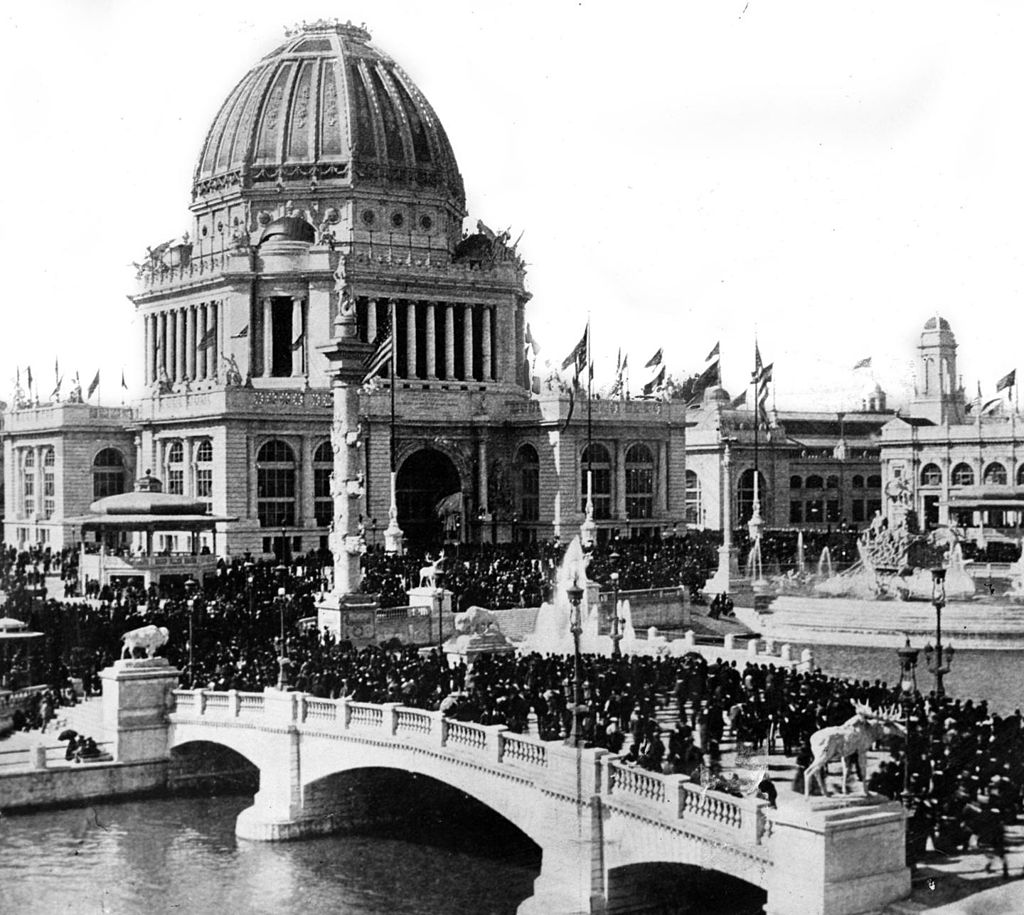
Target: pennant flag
{"points": [[95, 383], [654, 360], [17, 375], [244, 332], [383, 348], [710, 376], [863, 364], [28, 374], [1007, 381], [56, 368], [991, 405], [714, 352], [739, 401], [655, 383], [531, 341], [297, 343], [578, 356], [55, 393], [124, 384], [210, 337]]}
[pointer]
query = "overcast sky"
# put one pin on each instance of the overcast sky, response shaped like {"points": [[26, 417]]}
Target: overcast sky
{"points": [[827, 174]]}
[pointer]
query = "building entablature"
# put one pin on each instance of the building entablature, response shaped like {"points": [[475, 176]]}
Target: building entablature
{"points": [[66, 417]]}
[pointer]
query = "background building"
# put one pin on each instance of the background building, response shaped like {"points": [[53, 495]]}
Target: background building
{"points": [[326, 176]]}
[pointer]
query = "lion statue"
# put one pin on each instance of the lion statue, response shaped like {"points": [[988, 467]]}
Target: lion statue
{"points": [[475, 621]]}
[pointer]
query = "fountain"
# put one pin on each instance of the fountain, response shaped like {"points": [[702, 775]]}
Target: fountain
{"points": [[1016, 591], [628, 632], [551, 631], [825, 570], [801, 559]]}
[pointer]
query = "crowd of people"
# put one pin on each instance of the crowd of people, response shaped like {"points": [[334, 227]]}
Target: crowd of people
{"points": [[966, 764]]}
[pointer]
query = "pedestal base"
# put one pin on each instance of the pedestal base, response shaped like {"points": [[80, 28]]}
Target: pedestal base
{"points": [[136, 697], [727, 575], [351, 617], [257, 826]]}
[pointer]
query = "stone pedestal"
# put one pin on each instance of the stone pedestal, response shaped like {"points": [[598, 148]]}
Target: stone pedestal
{"points": [[136, 697], [468, 648], [727, 576], [350, 616], [430, 598], [837, 857]]}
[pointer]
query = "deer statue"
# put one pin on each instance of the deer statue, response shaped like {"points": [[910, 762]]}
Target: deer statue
{"points": [[855, 736], [428, 573]]}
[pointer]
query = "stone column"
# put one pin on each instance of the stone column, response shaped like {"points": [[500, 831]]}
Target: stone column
{"points": [[170, 344], [431, 341], [147, 342], [486, 374], [268, 338], [214, 324], [203, 344], [410, 340], [467, 343], [179, 344], [481, 494], [371, 320], [190, 342], [344, 605], [298, 341], [449, 341], [662, 495]]}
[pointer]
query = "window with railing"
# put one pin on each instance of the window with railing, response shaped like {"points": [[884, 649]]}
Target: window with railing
{"points": [[176, 468], [323, 465], [204, 474], [49, 483], [275, 484], [639, 482]]}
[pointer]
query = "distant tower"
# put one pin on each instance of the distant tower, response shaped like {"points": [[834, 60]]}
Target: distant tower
{"points": [[874, 399], [937, 396]]}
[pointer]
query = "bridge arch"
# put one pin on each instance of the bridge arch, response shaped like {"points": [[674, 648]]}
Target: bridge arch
{"points": [[207, 764], [516, 803], [248, 743], [668, 888]]}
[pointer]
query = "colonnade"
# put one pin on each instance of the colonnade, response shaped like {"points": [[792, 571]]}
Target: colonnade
{"points": [[183, 343], [438, 341], [295, 344]]}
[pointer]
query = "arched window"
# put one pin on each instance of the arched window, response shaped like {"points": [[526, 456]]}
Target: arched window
{"points": [[528, 464], [275, 485], [49, 483], [204, 473], [857, 482], [832, 482], [639, 482], [745, 494], [323, 466], [963, 475], [694, 507], [931, 475], [796, 482], [108, 473], [28, 483], [995, 475], [815, 482], [875, 481], [596, 458], [176, 468]]}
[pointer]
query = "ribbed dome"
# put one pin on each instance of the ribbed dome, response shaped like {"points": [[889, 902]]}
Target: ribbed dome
{"points": [[327, 105], [943, 324]]}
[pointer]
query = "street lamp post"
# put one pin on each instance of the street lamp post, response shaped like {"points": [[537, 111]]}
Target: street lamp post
{"points": [[908, 691], [439, 585], [282, 653], [191, 643], [613, 558], [575, 595], [939, 660]]}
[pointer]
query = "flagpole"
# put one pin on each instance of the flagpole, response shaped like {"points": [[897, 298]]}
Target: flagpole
{"points": [[393, 533], [590, 429]]}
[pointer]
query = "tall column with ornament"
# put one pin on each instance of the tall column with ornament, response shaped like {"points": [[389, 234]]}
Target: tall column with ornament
{"points": [[344, 610], [728, 571]]}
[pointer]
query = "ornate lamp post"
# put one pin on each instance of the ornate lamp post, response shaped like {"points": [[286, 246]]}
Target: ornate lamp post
{"points": [[575, 595], [908, 691], [439, 585], [250, 581], [190, 589], [613, 558], [938, 660], [282, 643]]}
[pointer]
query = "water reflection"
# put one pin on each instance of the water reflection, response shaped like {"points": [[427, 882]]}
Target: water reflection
{"points": [[181, 855]]}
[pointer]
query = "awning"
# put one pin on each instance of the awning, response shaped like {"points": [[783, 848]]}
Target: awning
{"points": [[147, 522]]}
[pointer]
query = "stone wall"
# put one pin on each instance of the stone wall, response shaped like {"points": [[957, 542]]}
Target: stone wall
{"points": [[67, 786]]}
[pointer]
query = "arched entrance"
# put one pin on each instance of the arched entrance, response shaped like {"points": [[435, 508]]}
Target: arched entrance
{"points": [[425, 479]]}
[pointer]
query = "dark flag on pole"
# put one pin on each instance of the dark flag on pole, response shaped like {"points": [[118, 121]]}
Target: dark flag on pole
{"points": [[572, 407], [578, 356], [210, 337], [863, 364], [654, 360], [244, 332], [655, 383], [95, 383], [714, 352], [531, 341], [383, 348], [1007, 381], [710, 376], [124, 384], [740, 401], [29, 376]]}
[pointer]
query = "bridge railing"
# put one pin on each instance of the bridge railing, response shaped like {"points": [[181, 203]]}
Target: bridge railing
{"points": [[671, 797]]}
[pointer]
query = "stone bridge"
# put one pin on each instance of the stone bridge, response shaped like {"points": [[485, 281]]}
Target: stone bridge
{"points": [[592, 816]]}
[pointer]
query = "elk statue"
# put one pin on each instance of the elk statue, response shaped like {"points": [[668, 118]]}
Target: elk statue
{"points": [[854, 737], [428, 574]]}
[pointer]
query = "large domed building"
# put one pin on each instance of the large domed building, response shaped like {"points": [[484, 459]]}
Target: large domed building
{"points": [[325, 178]]}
